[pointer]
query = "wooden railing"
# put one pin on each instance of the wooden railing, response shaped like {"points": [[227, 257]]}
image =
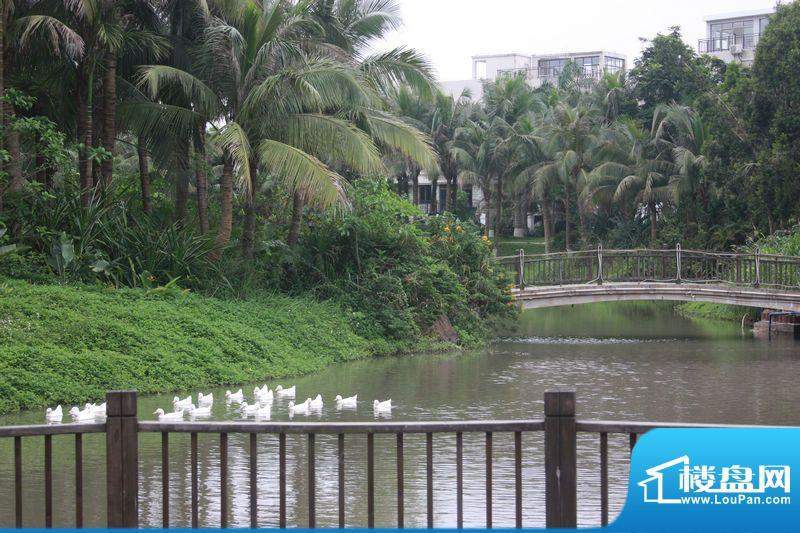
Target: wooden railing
{"points": [[123, 430], [647, 265]]}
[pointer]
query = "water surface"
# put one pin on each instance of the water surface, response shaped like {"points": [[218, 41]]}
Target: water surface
{"points": [[635, 361]]}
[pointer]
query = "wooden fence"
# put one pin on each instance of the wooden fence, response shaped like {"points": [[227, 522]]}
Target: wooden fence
{"points": [[123, 429], [643, 265]]}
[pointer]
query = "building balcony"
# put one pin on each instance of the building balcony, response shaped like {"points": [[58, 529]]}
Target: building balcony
{"points": [[728, 43]]}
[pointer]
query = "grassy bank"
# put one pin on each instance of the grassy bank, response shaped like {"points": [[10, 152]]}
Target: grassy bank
{"points": [[714, 311], [512, 245], [61, 344]]}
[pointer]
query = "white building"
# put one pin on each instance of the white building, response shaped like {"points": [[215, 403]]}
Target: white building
{"points": [[734, 36], [538, 68]]}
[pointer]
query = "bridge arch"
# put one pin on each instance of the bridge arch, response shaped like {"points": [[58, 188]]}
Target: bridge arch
{"points": [[570, 278]]}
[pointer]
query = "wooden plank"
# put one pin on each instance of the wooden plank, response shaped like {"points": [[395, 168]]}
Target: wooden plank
{"points": [[78, 480], [195, 491], [18, 482], [341, 481], [282, 480], [312, 482], [459, 480], [253, 481], [429, 476], [604, 479], [165, 480], [488, 480], [223, 480], [122, 460], [370, 480], [518, 478], [48, 481], [560, 443], [400, 495], [50, 429]]}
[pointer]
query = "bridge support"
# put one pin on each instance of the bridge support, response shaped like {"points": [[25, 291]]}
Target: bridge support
{"points": [[560, 460]]}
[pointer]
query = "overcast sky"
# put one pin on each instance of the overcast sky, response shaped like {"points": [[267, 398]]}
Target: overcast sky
{"points": [[449, 32]]}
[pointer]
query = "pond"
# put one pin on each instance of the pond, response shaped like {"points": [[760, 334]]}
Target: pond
{"points": [[634, 361]]}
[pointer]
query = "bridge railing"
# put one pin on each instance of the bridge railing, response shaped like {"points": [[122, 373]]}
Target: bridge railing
{"points": [[653, 265]]}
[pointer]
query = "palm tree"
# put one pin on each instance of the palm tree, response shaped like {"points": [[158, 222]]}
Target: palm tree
{"points": [[284, 109], [570, 138], [687, 135], [639, 169]]}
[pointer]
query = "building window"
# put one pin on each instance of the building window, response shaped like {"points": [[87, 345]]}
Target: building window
{"points": [[551, 68], [763, 22], [424, 194], [727, 33], [614, 64]]}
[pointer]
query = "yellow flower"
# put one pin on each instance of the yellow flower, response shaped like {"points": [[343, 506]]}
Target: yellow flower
{"points": [[458, 229], [152, 278], [485, 238], [447, 229]]}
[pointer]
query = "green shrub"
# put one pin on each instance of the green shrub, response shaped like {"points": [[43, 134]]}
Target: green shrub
{"points": [[71, 344]]}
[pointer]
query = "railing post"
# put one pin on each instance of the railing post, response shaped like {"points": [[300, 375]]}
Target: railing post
{"points": [[560, 460], [758, 266], [521, 277], [600, 264], [678, 254], [122, 460]]}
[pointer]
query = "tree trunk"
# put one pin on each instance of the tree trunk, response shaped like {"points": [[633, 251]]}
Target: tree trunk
{"points": [[226, 207], [567, 218], [182, 183], [653, 222], [97, 128], [249, 232], [498, 211], [520, 215], [84, 130], [109, 117], [201, 180], [434, 196], [298, 202], [415, 187], [16, 182], [547, 224], [144, 175]]}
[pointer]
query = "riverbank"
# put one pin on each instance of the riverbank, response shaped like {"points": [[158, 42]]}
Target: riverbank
{"points": [[729, 313], [69, 345]]}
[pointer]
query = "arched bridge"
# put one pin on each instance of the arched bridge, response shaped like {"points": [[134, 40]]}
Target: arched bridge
{"points": [[567, 278]]}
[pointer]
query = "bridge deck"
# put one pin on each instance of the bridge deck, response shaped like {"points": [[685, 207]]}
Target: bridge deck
{"points": [[559, 295]]}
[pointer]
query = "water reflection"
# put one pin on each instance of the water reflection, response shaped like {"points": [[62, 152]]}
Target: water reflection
{"points": [[626, 361]]}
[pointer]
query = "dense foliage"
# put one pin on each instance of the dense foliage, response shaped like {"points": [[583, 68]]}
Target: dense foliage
{"points": [[682, 149], [232, 148], [72, 344]]}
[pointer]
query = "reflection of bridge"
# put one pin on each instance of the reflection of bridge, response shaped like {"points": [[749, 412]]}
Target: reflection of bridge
{"points": [[747, 279]]}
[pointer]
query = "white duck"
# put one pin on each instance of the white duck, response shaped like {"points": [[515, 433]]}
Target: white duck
{"points": [[99, 410], [264, 412], [168, 417], [54, 415], [300, 408], [205, 401], [316, 403], [82, 416], [346, 403], [234, 397], [263, 394], [179, 404], [382, 407], [286, 393], [196, 412], [247, 409]]}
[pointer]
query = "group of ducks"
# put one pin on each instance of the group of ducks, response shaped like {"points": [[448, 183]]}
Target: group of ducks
{"points": [[90, 413], [261, 408]]}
